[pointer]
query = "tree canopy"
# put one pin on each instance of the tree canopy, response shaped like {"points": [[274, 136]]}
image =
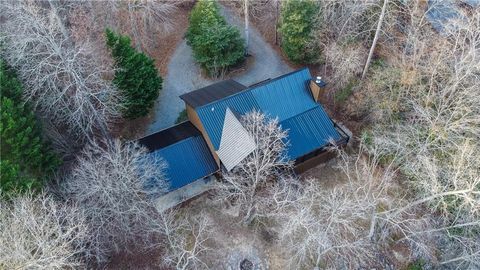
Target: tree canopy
{"points": [[26, 158], [136, 76], [298, 19], [216, 45]]}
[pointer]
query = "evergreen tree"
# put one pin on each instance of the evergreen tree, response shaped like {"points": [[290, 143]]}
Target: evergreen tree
{"points": [[26, 160], [298, 19], [215, 44], [206, 13], [135, 76]]}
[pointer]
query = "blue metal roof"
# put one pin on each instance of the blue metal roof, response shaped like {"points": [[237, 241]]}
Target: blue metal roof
{"points": [[309, 131], [442, 15], [288, 98], [213, 114], [187, 160]]}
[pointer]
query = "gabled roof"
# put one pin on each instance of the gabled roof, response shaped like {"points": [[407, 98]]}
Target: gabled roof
{"points": [[185, 151], [236, 144], [289, 99], [309, 131], [212, 93], [212, 115]]}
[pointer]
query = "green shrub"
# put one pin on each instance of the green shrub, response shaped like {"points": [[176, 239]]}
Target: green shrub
{"points": [[26, 160], [416, 265], [297, 25], [216, 45], [182, 117], [136, 76], [342, 95]]}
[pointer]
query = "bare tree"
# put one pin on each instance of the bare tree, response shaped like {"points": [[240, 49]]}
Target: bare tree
{"points": [[264, 12], [63, 79], [438, 145], [114, 183], [247, 185], [36, 232], [151, 13], [348, 19], [346, 61], [185, 238], [345, 27], [332, 225], [426, 107], [146, 19], [375, 38]]}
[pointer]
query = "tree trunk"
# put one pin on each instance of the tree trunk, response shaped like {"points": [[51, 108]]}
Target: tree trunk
{"points": [[246, 25], [374, 43], [276, 22], [133, 25]]}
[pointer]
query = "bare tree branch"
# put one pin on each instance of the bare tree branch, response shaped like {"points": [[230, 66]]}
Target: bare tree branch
{"points": [[248, 184], [113, 183], [62, 79], [36, 232]]}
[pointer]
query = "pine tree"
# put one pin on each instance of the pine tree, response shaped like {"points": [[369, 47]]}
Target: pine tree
{"points": [[215, 44], [298, 19], [26, 160], [135, 76]]}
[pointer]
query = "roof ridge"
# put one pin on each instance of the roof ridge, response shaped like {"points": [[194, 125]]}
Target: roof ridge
{"points": [[253, 87], [313, 108]]}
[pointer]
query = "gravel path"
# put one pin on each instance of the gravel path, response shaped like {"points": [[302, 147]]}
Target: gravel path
{"points": [[184, 75]]}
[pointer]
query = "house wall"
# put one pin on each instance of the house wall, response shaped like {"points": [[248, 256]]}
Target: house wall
{"points": [[193, 117], [313, 161]]}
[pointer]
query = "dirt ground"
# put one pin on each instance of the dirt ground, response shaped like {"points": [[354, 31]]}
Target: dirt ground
{"points": [[232, 242]]}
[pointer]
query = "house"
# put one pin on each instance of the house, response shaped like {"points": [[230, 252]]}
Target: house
{"points": [[214, 137]]}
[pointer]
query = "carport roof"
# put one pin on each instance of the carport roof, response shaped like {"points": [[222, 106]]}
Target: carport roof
{"points": [[184, 150]]}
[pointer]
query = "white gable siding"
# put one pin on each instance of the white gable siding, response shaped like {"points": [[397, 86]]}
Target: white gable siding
{"points": [[235, 144]]}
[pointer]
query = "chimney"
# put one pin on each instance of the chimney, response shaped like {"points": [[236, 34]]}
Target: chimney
{"points": [[317, 87]]}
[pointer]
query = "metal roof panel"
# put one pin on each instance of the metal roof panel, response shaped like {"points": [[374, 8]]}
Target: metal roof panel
{"points": [[309, 131], [212, 93], [187, 161], [236, 143], [212, 115], [169, 136], [286, 96]]}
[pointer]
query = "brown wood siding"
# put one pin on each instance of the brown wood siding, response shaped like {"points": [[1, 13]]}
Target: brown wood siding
{"points": [[193, 117], [316, 90], [314, 161]]}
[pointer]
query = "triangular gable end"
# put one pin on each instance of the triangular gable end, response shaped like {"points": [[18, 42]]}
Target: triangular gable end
{"points": [[235, 144]]}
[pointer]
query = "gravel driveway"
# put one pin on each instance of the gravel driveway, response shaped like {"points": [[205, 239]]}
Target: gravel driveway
{"points": [[184, 76]]}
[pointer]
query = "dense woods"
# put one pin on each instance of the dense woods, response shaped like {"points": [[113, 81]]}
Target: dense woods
{"points": [[404, 194], [27, 160]]}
